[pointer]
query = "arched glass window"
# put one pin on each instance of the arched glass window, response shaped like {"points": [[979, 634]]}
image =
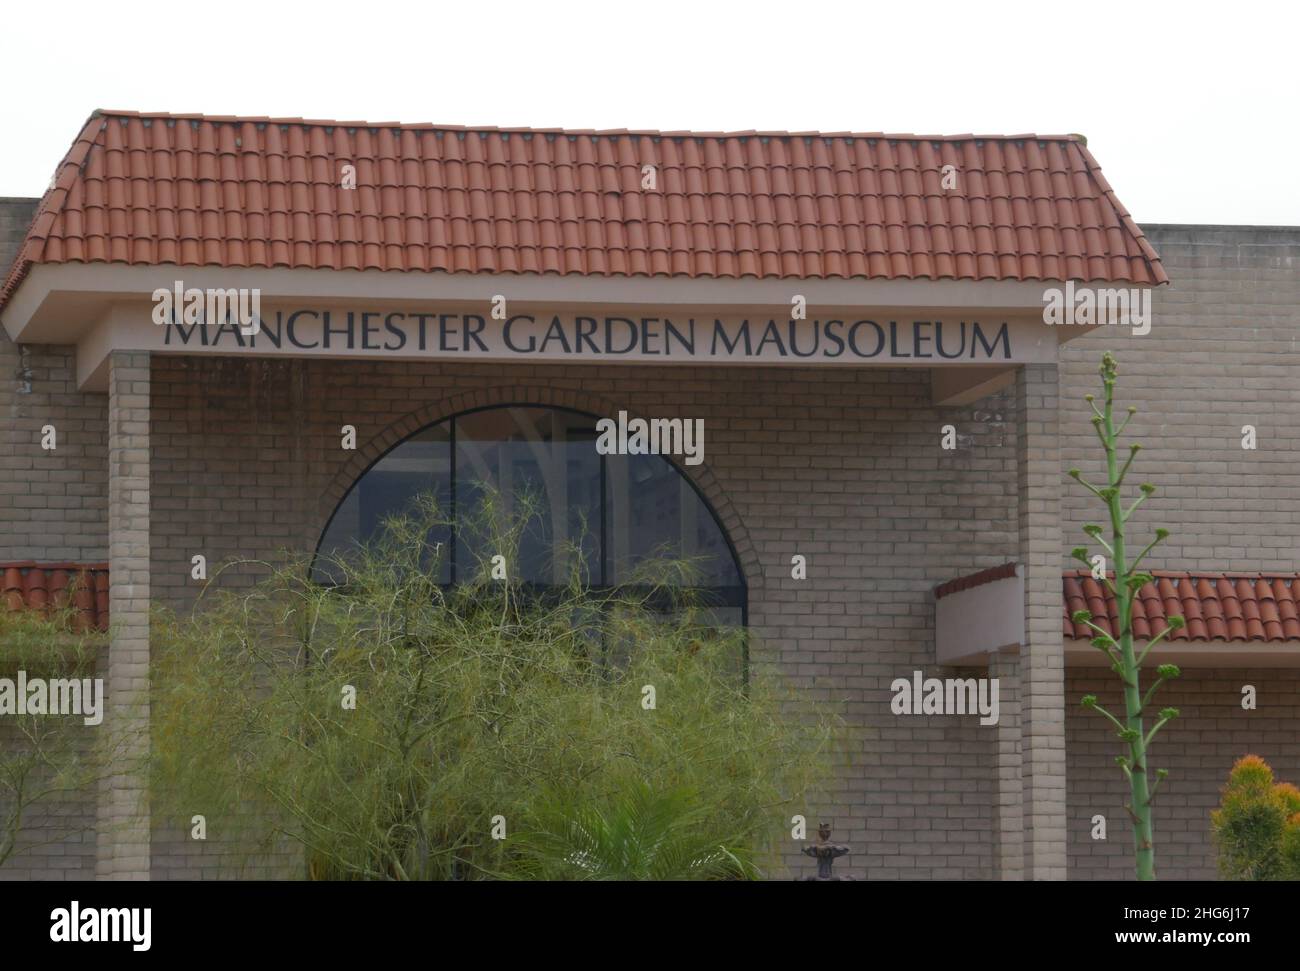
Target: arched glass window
{"points": [[616, 512]]}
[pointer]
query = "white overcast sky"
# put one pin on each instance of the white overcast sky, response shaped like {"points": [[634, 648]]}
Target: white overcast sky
{"points": [[1191, 108]]}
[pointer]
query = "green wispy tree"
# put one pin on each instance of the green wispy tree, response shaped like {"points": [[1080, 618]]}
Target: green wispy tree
{"points": [[396, 729], [49, 763], [1127, 580]]}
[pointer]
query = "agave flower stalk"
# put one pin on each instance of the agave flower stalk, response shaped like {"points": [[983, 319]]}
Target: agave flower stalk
{"points": [[1117, 644]]}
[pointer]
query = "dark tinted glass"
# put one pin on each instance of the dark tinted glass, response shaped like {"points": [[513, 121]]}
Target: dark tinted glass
{"points": [[536, 462], [609, 516], [421, 465], [654, 512]]}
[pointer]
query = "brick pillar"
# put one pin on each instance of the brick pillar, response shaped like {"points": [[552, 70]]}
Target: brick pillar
{"points": [[1009, 806], [1042, 660], [122, 813]]}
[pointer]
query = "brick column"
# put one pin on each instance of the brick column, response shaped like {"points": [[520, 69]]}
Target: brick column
{"points": [[122, 815], [1042, 661], [1009, 805]]}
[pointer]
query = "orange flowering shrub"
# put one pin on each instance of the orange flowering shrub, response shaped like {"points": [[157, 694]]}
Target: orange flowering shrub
{"points": [[1257, 824]]}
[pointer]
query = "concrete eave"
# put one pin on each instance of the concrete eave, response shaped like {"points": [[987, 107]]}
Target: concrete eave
{"points": [[55, 302], [1079, 653]]}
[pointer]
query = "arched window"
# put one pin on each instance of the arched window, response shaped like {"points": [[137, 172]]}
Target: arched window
{"points": [[616, 511]]}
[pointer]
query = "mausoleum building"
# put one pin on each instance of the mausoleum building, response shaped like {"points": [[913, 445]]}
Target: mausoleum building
{"points": [[856, 325]]}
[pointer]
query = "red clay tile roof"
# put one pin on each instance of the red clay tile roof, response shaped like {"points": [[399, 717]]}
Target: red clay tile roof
{"points": [[194, 190], [38, 585], [1217, 606]]}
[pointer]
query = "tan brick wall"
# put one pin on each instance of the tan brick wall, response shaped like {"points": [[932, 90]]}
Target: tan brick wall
{"points": [[123, 821], [1223, 352], [1009, 798], [1041, 667], [1198, 749], [53, 505]]}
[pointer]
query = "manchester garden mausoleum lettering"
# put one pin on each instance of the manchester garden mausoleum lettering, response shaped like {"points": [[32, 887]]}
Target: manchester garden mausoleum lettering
{"points": [[397, 332]]}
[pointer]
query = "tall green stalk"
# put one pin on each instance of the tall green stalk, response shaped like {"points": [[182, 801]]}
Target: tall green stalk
{"points": [[1118, 645]]}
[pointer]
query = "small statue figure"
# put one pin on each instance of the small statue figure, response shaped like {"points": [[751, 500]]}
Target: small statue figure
{"points": [[825, 852]]}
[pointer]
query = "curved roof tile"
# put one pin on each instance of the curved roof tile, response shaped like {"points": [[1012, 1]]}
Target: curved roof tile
{"points": [[41, 586], [1217, 606]]}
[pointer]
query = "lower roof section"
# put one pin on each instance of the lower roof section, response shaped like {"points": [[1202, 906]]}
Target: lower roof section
{"points": [[1233, 619], [45, 586]]}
